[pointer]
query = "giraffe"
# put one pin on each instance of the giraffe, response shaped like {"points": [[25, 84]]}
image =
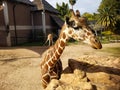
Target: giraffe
{"points": [[49, 39], [75, 27]]}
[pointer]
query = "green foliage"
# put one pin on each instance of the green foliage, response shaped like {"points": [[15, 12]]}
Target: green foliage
{"points": [[114, 51], [63, 10], [108, 14], [108, 3], [72, 2], [88, 16], [107, 33], [107, 18]]}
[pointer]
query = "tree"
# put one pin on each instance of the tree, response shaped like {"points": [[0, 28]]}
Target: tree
{"points": [[88, 16], [107, 18], [63, 10], [108, 13], [109, 3], [72, 2]]}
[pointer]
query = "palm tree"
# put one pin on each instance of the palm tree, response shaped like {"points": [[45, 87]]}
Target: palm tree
{"points": [[72, 2], [107, 18]]}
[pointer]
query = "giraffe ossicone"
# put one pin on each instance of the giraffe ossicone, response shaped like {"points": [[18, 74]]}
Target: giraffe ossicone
{"points": [[75, 27]]}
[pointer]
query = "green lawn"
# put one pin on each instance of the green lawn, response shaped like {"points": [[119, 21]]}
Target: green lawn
{"points": [[115, 51]]}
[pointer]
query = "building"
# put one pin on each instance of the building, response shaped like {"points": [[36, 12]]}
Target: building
{"points": [[45, 18], [24, 21]]}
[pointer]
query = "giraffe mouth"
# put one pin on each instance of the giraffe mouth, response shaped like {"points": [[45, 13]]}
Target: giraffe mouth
{"points": [[96, 45]]}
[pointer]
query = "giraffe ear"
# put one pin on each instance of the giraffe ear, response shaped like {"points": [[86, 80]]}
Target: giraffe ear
{"points": [[78, 13], [67, 19]]}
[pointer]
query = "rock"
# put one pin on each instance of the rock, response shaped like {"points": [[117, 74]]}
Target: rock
{"points": [[89, 73], [79, 73], [100, 78], [85, 85], [73, 64], [67, 78], [53, 84]]}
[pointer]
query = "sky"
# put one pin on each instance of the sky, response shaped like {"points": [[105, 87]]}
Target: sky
{"points": [[83, 6]]}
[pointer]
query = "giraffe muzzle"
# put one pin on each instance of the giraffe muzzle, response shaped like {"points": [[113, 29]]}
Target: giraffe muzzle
{"points": [[96, 44]]}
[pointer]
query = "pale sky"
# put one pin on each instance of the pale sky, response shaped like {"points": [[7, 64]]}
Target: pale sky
{"points": [[90, 6]]}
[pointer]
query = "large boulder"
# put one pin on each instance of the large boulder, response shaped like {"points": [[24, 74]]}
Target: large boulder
{"points": [[89, 73]]}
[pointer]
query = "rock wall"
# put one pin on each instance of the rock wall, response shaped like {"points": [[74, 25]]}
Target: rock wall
{"points": [[89, 73]]}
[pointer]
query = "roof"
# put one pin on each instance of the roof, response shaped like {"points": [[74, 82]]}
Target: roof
{"points": [[57, 20], [23, 1], [43, 4]]}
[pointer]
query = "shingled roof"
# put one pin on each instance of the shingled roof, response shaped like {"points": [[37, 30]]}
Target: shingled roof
{"points": [[43, 4], [23, 1], [57, 20]]}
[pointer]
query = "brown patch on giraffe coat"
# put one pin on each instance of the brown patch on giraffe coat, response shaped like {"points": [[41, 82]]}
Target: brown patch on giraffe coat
{"points": [[46, 78], [50, 63], [74, 35], [57, 55], [60, 50], [62, 43], [88, 33], [63, 36], [70, 32], [54, 59]]}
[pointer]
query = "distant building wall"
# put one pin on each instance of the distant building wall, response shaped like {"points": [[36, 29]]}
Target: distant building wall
{"points": [[52, 26], [3, 33], [1, 18], [22, 24], [37, 25], [20, 20]]}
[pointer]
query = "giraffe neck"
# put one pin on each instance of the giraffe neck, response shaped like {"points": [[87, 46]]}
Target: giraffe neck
{"points": [[52, 57], [57, 49]]}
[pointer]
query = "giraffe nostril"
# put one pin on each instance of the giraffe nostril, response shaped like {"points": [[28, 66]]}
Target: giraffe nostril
{"points": [[96, 40]]}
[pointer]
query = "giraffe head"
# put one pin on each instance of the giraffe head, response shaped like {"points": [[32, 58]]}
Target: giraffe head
{"points": [[78, 29]]}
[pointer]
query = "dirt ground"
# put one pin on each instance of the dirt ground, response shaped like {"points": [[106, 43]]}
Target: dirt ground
{"points": [[19, 66]]}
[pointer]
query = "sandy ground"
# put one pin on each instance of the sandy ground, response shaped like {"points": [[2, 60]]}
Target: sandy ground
{"points": [[19, 66]]}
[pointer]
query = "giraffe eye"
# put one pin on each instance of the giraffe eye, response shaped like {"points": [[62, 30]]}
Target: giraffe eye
{"points": [[92, 31], [72, 23], [78, 27]]}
